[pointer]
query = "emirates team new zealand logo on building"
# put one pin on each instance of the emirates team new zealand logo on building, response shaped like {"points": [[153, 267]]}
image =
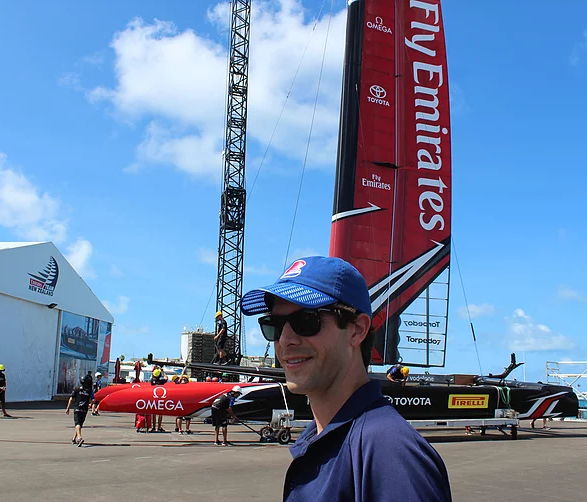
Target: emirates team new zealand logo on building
{"points": [[44, 282]]}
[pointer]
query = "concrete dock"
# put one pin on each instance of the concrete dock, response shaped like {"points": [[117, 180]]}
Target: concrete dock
{"points": [[38, 462]]}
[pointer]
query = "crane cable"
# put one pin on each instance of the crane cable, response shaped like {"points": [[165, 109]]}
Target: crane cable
{"points": [[249, 192], [309, 136], [466, 304]]}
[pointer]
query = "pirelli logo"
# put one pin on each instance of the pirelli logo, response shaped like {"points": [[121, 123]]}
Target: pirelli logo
{"points": [[468, 401]]}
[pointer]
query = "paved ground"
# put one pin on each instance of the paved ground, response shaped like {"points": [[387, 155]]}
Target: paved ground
{"points": [[37, 462]]}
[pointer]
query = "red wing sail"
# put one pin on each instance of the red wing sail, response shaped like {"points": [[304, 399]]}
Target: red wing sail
{"points": [[391, 216]]}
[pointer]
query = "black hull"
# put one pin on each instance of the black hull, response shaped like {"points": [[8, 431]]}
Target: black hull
{"points": [[433, 402]]}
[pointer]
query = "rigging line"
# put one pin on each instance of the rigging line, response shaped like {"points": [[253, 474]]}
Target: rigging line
{"points": [[207, 305], [309, 137], [466, 304], [249, 192]]}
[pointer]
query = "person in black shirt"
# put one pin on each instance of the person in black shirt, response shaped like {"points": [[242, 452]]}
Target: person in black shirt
{"points": [[158, 378], [221, 410], [80, 398], [3, 391], [397, 373], [220, 338]]}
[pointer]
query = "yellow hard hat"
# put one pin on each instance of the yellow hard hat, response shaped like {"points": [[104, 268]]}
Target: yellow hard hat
{"points": [[405, 371], [1, 367], [157, 373], [219, 313], [173, 378]]}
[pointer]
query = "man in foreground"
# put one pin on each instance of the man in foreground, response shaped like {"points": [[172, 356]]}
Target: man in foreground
{"points": [[358, 447]]}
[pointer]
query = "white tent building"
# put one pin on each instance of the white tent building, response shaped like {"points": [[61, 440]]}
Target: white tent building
{"points": [[53, 328]]}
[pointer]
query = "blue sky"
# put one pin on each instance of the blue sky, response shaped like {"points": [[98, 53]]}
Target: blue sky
{"points": [[111, 128]]}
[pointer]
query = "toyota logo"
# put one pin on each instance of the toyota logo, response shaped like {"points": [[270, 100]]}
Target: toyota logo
{"points": [[377, 91], [156, 394]]}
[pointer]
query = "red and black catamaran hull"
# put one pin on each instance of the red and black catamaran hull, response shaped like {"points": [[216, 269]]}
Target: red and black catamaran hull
{"points": [[414, 402]]}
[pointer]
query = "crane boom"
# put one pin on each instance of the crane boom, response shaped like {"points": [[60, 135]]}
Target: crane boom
{"points": [[233, 196]]}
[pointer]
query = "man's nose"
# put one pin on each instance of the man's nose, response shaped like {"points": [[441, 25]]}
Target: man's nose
{"points": [[288, 336]]}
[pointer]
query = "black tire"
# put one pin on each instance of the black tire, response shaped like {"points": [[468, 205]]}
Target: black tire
{"points": [[266, 432], [284, 436], [514, 432], [483, 430]]}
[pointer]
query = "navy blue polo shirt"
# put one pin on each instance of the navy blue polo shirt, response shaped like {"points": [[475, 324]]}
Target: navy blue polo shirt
{"points": [[367, 453]]}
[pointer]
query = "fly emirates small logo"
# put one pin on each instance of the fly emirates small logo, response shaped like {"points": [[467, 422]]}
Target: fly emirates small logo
{"points": [[159, 402], [375, 182]]}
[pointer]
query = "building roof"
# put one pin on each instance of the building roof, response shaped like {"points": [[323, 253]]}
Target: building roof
{"points": [[39, 273]]}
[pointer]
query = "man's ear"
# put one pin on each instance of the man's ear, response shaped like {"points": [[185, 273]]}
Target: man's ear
{"points": [[361, 328]]}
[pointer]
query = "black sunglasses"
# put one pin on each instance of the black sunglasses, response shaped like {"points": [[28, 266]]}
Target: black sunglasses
{"points": [[305, 322]]}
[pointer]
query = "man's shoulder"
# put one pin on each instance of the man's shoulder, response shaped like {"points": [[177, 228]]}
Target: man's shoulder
{"points": [[383, 425]]}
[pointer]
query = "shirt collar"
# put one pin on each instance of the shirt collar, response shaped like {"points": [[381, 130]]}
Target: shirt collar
{"points": [[355, 405]]}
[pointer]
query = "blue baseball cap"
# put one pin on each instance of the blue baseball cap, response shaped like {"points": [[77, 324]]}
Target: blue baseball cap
{"points": [[312, 282]]}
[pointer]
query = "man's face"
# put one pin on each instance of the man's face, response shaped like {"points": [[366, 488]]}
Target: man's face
{"points": [[312, 364]]}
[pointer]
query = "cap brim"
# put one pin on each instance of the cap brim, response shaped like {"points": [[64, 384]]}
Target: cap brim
{"points": [[253, 302]]}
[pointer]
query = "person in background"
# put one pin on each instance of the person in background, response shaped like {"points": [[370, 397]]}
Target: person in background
{"points": [[178, 421], [80, 398], [97, 387], [358, 447], [220, 338], [221, 410], [158, 378], [397, 373], [3, 392], [533, 422]]}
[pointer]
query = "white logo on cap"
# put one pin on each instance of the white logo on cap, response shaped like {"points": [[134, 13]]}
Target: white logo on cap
{"points": [[294, 270]]}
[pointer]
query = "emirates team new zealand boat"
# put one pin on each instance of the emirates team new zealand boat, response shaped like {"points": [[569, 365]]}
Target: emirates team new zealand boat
{"points": [[392, 210], [391, 220]]}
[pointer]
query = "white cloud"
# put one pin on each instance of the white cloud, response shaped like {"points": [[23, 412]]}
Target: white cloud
{"points": [[302, 253], [208, 256], [458, 103], [566, 293], [179, 78], [194, 154], [578, 51], [120, 307], [95, 59], [255, 338], [123, 329], [262, 270], [70, 79], [78, 255], [116, 272], [527, 335], [28, 212], [476, 310]]}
